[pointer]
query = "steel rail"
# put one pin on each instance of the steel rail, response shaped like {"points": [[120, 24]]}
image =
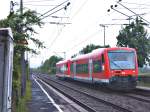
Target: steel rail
{"points": [[86, 107], [88, 95]]}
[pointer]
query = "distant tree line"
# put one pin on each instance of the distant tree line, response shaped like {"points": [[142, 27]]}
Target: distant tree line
{"points": [[89, 48], [49, 66]]}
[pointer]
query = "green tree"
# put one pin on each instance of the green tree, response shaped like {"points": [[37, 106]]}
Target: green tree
{"points": [[90, 48], [49, 66], [135, 36], [23, 29]]}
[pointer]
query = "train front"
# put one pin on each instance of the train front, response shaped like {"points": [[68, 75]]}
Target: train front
{"points": [[123, 68]]}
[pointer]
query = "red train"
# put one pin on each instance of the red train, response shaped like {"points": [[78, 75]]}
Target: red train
{"points": [[115, 67]]}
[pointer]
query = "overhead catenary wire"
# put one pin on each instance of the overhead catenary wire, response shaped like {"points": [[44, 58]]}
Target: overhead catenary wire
{"points": [[81, 7], [119, 12], [39, 5], [38, 1], [53, 9], [133, 12], [89, 37], [54, 40], [56, 37], [137, 8], [52, 13], [59, 32], [137, 4]]}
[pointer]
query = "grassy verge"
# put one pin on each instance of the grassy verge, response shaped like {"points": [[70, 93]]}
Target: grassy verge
{"points": [[144, 79], [141, 83], [22, 104], [144, 74], [19, 102]]}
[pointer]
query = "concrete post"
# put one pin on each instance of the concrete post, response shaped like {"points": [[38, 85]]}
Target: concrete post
{"points": [[6, 67]]}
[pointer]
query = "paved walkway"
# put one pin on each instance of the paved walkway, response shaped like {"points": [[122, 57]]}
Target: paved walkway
{"points": [[39, 101]]}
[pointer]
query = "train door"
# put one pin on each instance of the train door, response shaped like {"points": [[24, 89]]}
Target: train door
{"points": [[98, 72], [73, 65], [103, 62], [90, 69]]}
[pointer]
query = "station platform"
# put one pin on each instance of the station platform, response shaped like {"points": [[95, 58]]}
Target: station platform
{"points": [[39, 101], [143, 88], [44, 99]]}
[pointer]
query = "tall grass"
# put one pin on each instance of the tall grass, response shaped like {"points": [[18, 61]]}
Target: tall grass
{"points": [[20, 103]]}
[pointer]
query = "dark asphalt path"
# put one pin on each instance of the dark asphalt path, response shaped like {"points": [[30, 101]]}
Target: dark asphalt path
{"points": [[40, 101]]}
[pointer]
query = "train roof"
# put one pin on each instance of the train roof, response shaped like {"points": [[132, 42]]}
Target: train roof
{"points": [[93, 54], [98, 52], [88, 55], [62, 62]]}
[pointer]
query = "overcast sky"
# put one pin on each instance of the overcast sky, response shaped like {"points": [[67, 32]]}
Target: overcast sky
{"points": [[83, 18]]}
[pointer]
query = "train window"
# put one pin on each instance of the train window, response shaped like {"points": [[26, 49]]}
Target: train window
{"points": [[59, 69], [103, 59], [121, 59], [97, 66], [62, 69], [82, 68], [72, 68]]}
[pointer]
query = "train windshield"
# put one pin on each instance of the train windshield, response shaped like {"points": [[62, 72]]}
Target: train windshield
{"points": [[121, 59]]}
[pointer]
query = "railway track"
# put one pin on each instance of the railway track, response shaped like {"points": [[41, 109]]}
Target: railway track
{"points": [[145, 93], [137, 97], [89, 98], [86, 107], [143, 96], [137, 94]]}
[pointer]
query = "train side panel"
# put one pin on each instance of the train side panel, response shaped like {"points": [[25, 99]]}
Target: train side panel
{"points": [[81, 69], [116, 67], [99, 69], [63, 69]]}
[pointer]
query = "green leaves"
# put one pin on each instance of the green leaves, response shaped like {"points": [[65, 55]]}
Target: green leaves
{"points": [[49, 66], [135, 36], [23, 29], [90, 48]]}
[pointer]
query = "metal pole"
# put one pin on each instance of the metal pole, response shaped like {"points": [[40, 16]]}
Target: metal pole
{"points": [[21, 7], [102, 25], [11, 7], [104, 35], [23, 66]]}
